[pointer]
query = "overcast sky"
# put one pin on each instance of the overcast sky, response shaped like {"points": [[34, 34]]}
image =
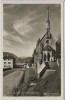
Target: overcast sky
{"points": [[25, 23]]}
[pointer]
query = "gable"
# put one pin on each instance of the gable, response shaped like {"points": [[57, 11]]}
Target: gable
{"points": [[48, 48], [51, 42]]}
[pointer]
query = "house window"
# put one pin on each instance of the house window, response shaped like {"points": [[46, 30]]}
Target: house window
{"points": [[9, 66], [4, 62], [9, 62]]}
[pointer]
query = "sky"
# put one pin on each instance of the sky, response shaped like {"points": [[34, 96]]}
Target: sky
{"points": [[24, 24]]}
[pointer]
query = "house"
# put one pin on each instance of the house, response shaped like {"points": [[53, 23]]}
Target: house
{"points": [[22, 65], [45, 50], [8, 61]]}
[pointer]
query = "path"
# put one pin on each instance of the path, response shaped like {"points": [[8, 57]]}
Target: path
{"points": [[11, 81]]}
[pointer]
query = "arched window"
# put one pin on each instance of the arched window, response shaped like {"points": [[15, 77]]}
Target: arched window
{"points": [[48, 56], [44, 57]]}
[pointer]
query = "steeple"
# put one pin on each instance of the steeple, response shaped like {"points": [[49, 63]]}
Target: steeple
{"points": [[48, 21], [48, 13]]}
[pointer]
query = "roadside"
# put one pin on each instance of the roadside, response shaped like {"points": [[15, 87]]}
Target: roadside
{"points": [[9, 71]]}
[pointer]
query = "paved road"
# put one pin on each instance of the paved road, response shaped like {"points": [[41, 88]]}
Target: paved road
{"points": [[11, 81]]}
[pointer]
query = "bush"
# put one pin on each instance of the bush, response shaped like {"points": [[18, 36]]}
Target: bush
{"points": [[4, 69]]}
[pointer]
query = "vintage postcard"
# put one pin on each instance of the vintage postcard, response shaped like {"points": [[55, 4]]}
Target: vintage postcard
{"points": [[33, 49]]}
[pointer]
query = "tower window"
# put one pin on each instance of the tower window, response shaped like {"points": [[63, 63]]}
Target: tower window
{"points": [[47, 41]]}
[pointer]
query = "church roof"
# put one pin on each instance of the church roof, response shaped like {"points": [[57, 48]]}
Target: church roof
{"points": [[48, 48], [43, 36]]}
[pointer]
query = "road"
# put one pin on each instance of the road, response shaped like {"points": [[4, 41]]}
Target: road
{"points": [[11, 81]]}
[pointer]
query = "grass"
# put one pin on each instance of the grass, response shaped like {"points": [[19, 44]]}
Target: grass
{"points": [[51, 85], [48, 85], [7, 72]]}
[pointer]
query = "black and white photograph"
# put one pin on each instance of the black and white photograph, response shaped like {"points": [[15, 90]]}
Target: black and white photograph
{"points": [[32, 50]]}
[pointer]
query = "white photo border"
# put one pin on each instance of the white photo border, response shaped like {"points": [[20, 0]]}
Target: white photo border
{"points": [[62, 50]]}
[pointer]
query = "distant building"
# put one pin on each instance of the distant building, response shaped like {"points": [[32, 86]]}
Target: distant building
{"points": [[21, 65], [8, 61], [45, 50], [26, 66]]}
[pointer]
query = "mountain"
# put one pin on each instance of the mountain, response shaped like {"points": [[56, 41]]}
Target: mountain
{"points": [[5, 54], [26, 59], [17, 59]]}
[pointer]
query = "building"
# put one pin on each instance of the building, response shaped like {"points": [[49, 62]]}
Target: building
{"points": [[45, 50], [22, 65], [8, 61], [58, 49]]}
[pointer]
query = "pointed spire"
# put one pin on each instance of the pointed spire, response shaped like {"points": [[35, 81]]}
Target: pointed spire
{"points": [[48, 13], [48, 21]]}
